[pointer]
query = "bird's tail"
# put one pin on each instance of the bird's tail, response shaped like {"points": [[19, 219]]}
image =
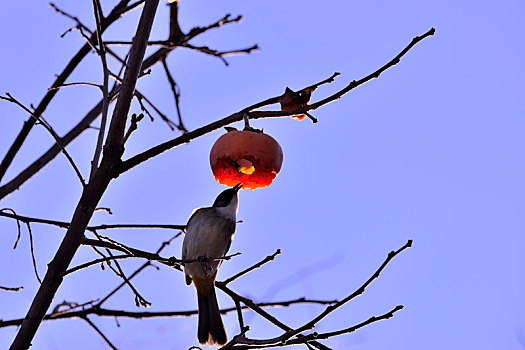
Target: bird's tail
{"points": [[211, 329]]}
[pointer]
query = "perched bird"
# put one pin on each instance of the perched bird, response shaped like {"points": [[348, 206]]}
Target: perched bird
{"points": [[209, 233]]}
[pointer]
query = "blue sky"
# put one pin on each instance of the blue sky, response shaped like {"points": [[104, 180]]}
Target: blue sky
{"points": [[431, 151]]}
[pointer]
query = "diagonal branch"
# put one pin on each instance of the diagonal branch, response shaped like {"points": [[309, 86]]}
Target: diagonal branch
{"points": [[120, 9], [94, 190], [251, 268], [176, 94], [310, 338], [311, 324], [99, 332], [187, 137], [48, 127], [85, 123], [105, 94]]}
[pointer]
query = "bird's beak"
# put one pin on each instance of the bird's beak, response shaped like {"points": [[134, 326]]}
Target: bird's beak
{"points": [[237, 187]]}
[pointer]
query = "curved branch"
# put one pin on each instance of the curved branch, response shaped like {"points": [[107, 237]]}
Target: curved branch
{"points": [[187, 137]]}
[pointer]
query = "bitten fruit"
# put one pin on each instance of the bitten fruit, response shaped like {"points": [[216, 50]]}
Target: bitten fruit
{"points": [[248, 156]]}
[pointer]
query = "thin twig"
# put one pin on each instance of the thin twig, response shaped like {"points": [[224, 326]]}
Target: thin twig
{"points": [[85, 123], [136, 253], [28, 225], [221, 54], [176, 95], [251, 268], [309, 338], [17, 225], [97, 9], [120, 9], [99, 333], [139, 299], [48, 127], [311, 324], [96, 309], [136, 272], [11, 289], [64, 224], [75, 84]]}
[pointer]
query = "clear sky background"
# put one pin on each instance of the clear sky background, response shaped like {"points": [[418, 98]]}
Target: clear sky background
{"points": [[431, 151]]}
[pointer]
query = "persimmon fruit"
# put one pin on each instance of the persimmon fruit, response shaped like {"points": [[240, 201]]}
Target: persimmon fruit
{"points": [[247, 156]]}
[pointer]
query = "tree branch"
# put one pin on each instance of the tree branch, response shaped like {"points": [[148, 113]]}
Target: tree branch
{"points": [[187, 137], [120, 9], [103, 312], [94, 190], [84, 124], [97, 9], [48, 127], [11, 289], [64, 224]]}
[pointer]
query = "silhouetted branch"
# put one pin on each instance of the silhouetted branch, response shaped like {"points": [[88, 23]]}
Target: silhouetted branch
{"points": [[222, 54], [176, 95], [246, 343], [17, 225], [97, 9], [64, 224], [91, 193], [103, 312], [253, 267], [11, 289], [30, 233], [187, 137], [139, 299], [311, 324], [85, 123], [50, 130], [99, 332], [120, 9], [137, 253], [286, 338]]}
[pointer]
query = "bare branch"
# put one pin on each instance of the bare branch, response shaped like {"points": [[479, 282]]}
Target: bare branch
{"points": [[99, 332], [11, 289], [308, 339], [17, 225], [251, 268], [48, 127], [85, 123], [311, 324], [32, 251], [75, 84], [146, 264], [96, 309], [187, 137], [94, 190], [64, 224], [176, 95], [97, 9], [222, 54], [139, 299], [120, 9]]}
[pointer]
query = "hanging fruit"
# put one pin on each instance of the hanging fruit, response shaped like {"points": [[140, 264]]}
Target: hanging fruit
{"points": [[249, 157], [295, 99]]}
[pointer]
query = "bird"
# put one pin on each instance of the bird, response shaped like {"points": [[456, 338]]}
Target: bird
{"points": [[209, 233]]}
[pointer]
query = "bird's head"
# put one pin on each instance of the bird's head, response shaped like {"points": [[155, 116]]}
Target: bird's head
{"points": [[228, 197]]}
